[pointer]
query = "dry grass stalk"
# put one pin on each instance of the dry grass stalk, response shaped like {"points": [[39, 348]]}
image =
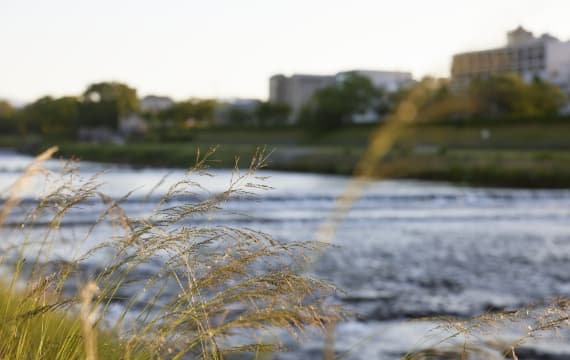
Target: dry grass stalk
{"points": [[23, 182], [88, 317], [486, 336], [210, 282]]}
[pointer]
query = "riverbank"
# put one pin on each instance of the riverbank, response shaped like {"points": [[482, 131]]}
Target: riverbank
{"points": [[527, 155]]}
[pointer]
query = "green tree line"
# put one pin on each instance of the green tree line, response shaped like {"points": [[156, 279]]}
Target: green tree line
{"points": [[494, 97], [100, 105], [104, 104]]}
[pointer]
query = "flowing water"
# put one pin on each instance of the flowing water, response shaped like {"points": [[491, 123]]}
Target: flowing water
{"points": [[406, 249]]}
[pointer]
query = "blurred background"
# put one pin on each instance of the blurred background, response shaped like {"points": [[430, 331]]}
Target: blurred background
{"points": [[310, 80], [468, 203]]}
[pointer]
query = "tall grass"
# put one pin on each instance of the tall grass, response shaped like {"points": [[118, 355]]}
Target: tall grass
{"points": [[213, 290]]}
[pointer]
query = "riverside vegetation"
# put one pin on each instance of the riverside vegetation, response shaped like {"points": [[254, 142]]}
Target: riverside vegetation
{"points": [[527, 154], [499, 131]]}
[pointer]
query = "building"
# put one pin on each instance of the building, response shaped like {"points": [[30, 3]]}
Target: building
{"points": [[390, 81], [153, 103], [238, 111], [132, 124], [296, 90], [531, 57]]}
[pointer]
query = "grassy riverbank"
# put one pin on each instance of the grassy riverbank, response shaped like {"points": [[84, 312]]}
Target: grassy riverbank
{"points": [[32, 329], [490, 154]]}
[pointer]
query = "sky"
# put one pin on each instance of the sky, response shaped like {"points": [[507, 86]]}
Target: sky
{"points": [[229, 48]]}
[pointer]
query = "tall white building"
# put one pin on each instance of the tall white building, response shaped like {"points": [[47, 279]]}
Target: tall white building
{"points": [[543, 57]]}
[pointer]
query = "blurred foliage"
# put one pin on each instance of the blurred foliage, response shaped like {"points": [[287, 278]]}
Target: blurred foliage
{"points": [[6, 110], [269, 114], [495, 97], [238, 116], [7, 123], [198, 111], [333, 106], [50, 116], [106, 102], [102, 105], [508, 94]]}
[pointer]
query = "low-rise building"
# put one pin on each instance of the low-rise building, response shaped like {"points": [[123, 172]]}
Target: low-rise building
{"points": [[237, 111], [388, 80], [544, 57], [154, 103], [132, 124], [296, 90]]}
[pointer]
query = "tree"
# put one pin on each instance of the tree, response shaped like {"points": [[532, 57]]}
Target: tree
{"points": [[500, 95], [201, 111], [52, 117], [509, 94], [6, 110], [431, 99], [334, 106], [205, 110], [106, 102], [547, 98], [491, 97], [269, 114], [7, 122], [238, 116]]}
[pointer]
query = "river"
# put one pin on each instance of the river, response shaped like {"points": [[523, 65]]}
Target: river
{"points": [[406, 249]]}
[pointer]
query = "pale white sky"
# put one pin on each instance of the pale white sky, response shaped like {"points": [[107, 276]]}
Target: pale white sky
{"points": [[229, 48]]}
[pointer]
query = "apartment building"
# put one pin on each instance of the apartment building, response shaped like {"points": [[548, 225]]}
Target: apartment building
{"points": [[544, 57]]}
